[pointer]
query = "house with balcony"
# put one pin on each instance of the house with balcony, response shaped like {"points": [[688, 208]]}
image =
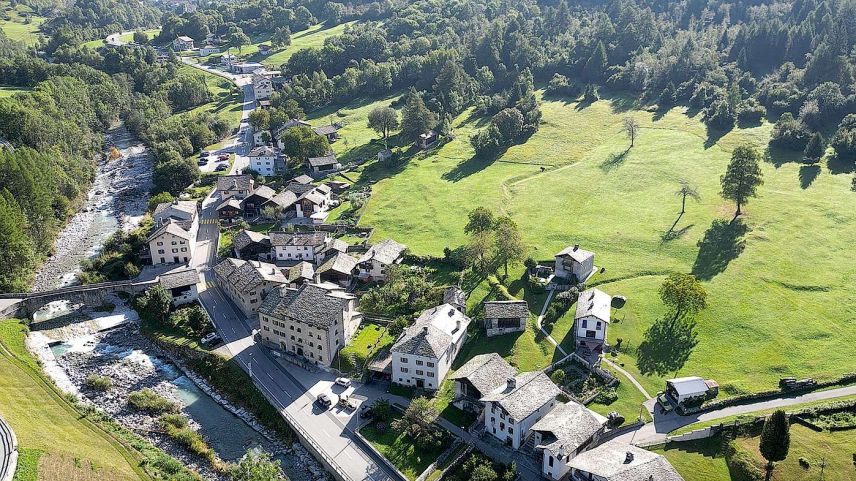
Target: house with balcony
{"points": [[562, 434], [481, 375], [307, 246], [235, 186], [591, 320], [513, 408], [424, 353], [373, 264], [251, 245], [173, 237]]}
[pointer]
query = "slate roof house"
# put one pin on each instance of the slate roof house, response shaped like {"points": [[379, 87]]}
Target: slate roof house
{"points": [[338, 269], [237, 186], [173, 237], [256, 200], [424, 353], [481, 375], [563, 433], [313, 321], [308, 246], [230, 209], [591, 321], [247, 283], [250, 245], [621, 462], [372, 265], [331, 132], [324, 164], [574, 264], [300, 274], [181, 285], [503, 317], [512, 409]]}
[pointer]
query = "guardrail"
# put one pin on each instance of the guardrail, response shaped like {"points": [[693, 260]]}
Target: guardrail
{"points": [[8, 451]]}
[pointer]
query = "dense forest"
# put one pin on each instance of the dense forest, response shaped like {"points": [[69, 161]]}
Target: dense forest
{"points": [[738, 63], [56, 126]]}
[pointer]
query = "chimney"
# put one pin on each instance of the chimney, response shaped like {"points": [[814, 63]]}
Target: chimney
{"points": [[576, 247], [452, 314], [457, 325], [425, 329], [512, 383], [628, 458]]}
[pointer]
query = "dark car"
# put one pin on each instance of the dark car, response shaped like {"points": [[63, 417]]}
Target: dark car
{"points": [[223, 157], [222, 167], [366, 412]]}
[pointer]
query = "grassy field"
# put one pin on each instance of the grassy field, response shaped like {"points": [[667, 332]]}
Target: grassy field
{"points": [[226, 98], [17, 27], [776, 278], [400, 450], [56, 442], [629, 403], [126, 38], [313, 37], [700, 460], [370, 339], [836, 449], [704, 460]]}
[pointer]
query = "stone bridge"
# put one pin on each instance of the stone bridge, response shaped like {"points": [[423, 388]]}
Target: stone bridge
{"points": [[24, 304]]}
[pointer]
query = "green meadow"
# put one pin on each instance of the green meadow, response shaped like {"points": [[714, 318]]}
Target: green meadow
{"points": [[777, 278], [22, 25]]}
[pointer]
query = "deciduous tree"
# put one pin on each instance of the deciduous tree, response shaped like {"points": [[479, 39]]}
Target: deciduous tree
{"points": [[383, 120], [508, 243], [631, 128], [683, 294], [742, 177]]}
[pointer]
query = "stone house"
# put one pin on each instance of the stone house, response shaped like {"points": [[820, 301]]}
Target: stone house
{"points": [[513, 408], [503, 317], [247, 283], [373, 264], [563, 433], [480, 376], [574, 264], [181, 285]]}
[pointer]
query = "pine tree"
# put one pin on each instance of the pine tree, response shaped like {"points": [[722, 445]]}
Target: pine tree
{"points": [[595, 68], [416, 119], [775, 440], [815, 149]]}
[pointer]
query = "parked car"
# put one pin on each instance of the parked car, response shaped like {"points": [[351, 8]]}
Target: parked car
{"points": [[325, 400], [222, 167], [211, 339], [202, 161], [343, 381], [366, 411], [204, 153], [223, 157]]}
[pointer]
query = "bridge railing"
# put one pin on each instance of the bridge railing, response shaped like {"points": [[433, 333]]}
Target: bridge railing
{"points": [[76, 288]]}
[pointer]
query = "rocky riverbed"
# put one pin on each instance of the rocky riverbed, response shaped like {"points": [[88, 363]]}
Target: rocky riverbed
{"points": [[117, 199], [110, 344]]}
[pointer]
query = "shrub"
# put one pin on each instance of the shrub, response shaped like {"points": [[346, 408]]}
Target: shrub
{"points": [[174, 420], [558, 377], [151, 402], [98, 383], [606, 396]]}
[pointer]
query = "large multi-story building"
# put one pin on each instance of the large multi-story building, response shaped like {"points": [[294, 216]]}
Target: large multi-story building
{"points": [[313, 321], [247, 283], [512, 409]]}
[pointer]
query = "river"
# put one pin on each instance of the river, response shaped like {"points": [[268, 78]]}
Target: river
{"points": [[117, 199]]}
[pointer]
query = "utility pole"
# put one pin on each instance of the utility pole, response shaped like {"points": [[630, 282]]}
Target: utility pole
{"points": [[822, 465]]}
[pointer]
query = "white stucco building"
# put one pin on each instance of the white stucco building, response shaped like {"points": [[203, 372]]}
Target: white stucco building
{"points": [[591, 321], [512, 409], [563, 433], [263, 160], [309, 246], [173, 238], [181, 285], [262, 86], [423, 354]]}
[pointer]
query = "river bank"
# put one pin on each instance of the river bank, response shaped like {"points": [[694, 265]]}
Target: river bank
{"points": [[83, 342], [118, 198]]}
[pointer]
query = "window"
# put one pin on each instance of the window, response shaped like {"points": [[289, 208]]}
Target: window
{"points": [[404, 360], [598, 325], [585, 323], [419, 372], [550, 462], [430, 374], [160, 243], [404, 369], [510, 430], [160, 251], [419, 362], [430, 364]]}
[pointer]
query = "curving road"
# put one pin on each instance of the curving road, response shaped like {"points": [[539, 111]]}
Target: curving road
{"points": [[8, 451]]}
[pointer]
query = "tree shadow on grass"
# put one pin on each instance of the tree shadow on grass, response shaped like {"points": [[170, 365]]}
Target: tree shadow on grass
{"points": [[674, 234], [713, 136], [838, 165], [473, 165], [614, 160], [807, 175], [666, 346], [722, 243], [779, 156]]}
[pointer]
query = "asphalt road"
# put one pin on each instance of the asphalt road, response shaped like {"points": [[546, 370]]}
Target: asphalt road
{"points": [[290, 389]]}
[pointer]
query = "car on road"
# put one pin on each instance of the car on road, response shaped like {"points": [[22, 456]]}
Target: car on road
{"points": [[211, 339], [223, 157], [325, 400], [343, 381], [203, 161], [222, 167]]}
